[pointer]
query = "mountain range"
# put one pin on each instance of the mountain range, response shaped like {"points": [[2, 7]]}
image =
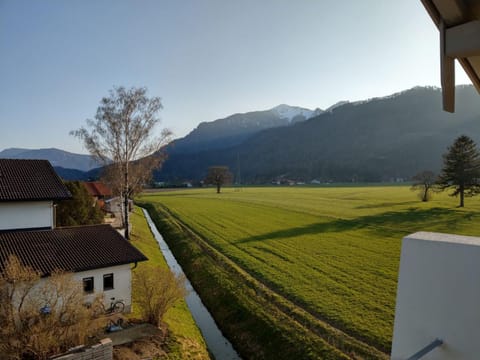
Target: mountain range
{"points": [[68, 165], [235, 129], [379, 139]]}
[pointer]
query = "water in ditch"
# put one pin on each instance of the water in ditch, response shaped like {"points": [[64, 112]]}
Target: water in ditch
{"points": [[217, 344]]}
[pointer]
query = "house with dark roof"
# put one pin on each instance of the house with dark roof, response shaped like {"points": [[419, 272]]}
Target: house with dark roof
{"points": [[97, 254], [28, 190]]}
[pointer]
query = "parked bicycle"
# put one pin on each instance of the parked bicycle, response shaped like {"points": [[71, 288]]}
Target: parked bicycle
{"points": [[115, 307]]}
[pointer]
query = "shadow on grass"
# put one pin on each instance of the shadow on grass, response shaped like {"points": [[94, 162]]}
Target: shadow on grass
{"points": [[385, 204], [409, 220], [169, 192]]}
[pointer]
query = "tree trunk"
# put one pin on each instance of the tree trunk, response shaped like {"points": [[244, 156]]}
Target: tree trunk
{"points": [[218, 188], [461, 197], [125, 204]]}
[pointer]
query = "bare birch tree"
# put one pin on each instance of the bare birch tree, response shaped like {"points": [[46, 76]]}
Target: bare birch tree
{"points": [[122, 134]]}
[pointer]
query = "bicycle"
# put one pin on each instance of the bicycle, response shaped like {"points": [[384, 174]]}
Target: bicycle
{"points": [[115, 307]]}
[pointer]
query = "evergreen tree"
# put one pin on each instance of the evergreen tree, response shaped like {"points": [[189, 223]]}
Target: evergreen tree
{"points": [[461, 169], [79, 210]]}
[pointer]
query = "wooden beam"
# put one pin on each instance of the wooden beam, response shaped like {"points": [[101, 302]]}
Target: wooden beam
{"points": [[451, 11], [432, 11], [447, 68], [472, 74], [463, 40]]}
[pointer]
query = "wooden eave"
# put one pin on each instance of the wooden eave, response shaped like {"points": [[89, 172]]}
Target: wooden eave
{"points": [[459, 24]]}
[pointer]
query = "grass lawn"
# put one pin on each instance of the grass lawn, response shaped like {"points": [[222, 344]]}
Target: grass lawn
{"points": [[333, 251], [186, 339]]}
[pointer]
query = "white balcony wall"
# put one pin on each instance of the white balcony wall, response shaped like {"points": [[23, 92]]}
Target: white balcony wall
{"points": [[438, 296]]}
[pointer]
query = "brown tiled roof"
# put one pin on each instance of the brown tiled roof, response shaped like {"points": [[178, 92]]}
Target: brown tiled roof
{"points": [[96, 188], [30, 180], [73, 249]]}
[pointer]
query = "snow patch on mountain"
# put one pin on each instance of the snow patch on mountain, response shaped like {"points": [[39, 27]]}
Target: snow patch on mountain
{"points": [[288, 112]]}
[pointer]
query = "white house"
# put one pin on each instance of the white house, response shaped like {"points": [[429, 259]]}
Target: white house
{"points": [[97, 255], [28, 189]]}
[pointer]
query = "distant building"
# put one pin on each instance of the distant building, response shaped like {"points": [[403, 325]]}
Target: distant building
{"points": [[98, 191]]}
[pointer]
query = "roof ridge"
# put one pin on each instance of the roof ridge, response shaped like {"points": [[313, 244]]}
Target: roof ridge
{"points": [[82, 226]]}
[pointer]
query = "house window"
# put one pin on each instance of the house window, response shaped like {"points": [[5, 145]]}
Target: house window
{"points": [[88, 284], [107, 282]]}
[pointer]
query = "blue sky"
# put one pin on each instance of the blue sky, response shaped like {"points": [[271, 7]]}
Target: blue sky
{"points": [[206, 59]]}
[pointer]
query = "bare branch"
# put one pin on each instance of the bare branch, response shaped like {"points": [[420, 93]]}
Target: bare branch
{"points": [[122, 136]]}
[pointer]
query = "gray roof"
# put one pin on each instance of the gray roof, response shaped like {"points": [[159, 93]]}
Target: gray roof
{"points": [[72, 249], [30, 180]]}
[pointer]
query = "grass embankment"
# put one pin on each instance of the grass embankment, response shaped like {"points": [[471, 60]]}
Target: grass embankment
{"points": [[185, 339], [334, 252]]}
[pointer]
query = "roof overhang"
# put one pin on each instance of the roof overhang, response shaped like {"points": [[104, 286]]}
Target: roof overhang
{"points": [[459, 24]]}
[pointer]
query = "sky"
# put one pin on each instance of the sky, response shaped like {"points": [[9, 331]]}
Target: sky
{"points": [[206, 59]]}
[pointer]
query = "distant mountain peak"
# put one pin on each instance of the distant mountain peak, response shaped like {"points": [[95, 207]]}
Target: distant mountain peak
{"points": [[57, 157], [285, 111], [236, 128]]}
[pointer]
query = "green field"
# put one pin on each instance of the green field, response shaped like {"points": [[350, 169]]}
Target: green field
{"points": [[333, 252]]}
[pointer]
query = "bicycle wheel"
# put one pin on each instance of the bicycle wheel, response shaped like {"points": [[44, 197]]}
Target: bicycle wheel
{"points": [[118, 307]]}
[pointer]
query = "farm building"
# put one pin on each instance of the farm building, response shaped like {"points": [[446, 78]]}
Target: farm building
{"points": [[98, 191]]}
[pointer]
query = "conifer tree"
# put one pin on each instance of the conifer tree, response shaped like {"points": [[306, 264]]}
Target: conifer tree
{"points": [[461, 169], [80, 209]]}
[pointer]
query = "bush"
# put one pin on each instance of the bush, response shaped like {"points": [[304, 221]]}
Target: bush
{"points": [[79, 210], [41, 317], [158, 289]]}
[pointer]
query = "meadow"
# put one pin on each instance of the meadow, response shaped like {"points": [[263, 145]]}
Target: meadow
{"points": [[331, 251]]}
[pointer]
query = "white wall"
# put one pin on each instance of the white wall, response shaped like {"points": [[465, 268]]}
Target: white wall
{"points": [[438, 296], [28, 214], [122, 281]]}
